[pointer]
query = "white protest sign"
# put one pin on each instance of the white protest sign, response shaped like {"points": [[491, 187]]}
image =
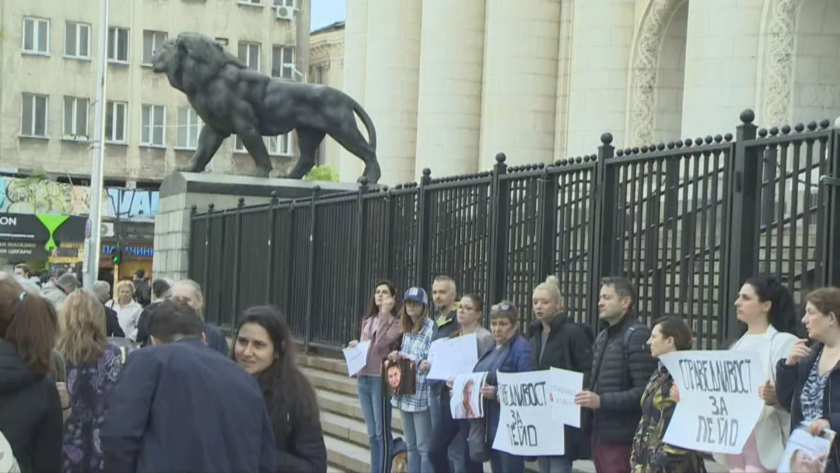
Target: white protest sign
{"points": [[525, 425], [719, 404], [356, 357], [564, 386], [453, 356], [465, 402], [433, 349]]}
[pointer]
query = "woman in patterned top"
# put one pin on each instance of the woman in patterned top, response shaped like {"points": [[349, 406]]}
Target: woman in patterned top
{"points": [[650, 454], [417, 330], [807, 378], [93, 366]]}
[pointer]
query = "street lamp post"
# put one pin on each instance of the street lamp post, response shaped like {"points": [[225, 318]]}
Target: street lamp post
{"points": [[93, 240]]}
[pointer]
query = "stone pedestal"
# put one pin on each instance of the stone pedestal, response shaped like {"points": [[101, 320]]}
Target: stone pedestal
{"points": [[180, 191]]}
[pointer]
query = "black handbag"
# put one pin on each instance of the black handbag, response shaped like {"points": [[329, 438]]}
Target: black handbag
{"points": [[478, 441]]}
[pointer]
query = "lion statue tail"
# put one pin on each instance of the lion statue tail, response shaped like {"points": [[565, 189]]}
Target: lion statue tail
{"points": [[368, 123]]}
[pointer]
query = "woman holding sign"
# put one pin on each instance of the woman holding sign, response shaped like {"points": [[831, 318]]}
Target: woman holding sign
{"points": [[382, 328], [767, 309], [809, 374], [649, 453], [447, 429], [417, 330], [557, 341], [510, 354]]}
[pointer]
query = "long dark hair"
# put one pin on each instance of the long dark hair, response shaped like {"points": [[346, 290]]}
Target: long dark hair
{"points": [[782, 314], [374, 309], [30, 323], [288, 394]]}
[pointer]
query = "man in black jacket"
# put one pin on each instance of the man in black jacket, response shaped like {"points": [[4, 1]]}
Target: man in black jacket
{"points": [[621, 368], [160, 290]]}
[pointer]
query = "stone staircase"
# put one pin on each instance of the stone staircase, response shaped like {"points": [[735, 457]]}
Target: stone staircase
{"points": [[343, 423]]}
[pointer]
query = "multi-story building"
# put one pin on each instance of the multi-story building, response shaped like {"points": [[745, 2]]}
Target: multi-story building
{"points": [[48, 68], [451, 83]]}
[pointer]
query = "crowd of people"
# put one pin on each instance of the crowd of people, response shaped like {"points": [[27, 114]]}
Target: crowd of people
{"points": [[629, 397], [91, 383]]}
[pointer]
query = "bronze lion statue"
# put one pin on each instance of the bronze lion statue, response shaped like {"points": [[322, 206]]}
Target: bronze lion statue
{"points": [[232, 99]]}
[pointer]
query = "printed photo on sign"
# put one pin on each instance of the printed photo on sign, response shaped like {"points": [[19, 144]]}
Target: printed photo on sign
{"points": [[356, 357], [466, 396], [719, 404], [453, 356], [526, 427], [804, 452], [399, 378], [565, 385]]}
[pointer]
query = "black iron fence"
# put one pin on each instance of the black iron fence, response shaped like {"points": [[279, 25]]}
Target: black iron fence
{"points": [[687, 221]]}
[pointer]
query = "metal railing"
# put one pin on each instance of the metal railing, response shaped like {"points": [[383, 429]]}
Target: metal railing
{"points": [[686, 221]]}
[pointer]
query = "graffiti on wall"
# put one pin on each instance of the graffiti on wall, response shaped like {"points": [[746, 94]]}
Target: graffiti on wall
{"points": [[33, 196]]}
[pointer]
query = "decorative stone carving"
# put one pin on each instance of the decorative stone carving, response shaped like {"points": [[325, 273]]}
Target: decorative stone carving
{"points": [[778, 71], [645, 65]]}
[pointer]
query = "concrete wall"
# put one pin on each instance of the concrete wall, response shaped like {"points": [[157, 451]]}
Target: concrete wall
{"points": [[57, 77], [520, 82], [603, 34], [391, 83], [671, 79], [326, 67], [721, 75], [355, 67], [816, 75], [449, 97]]}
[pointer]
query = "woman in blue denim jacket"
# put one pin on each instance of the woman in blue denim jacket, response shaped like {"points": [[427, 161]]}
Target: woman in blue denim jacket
{"points": [[511, 353]]}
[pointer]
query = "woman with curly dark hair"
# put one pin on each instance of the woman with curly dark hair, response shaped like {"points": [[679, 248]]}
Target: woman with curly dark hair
{"points": [[264, 347]]}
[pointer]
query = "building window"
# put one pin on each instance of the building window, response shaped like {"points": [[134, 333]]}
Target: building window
{"points": [[77, 40], [283, 62], [76, 118], [152, 40], [276, 145], [116, 118], [249, 53], [280, 145], [36, 36], [189, 127], [118, 44], [154, 125], [285, 3], [33, 117], [250, 2]]}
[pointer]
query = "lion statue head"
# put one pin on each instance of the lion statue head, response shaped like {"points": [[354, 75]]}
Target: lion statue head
{"points": [[189, 54]]}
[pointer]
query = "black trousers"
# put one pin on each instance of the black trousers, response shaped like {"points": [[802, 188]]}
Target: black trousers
{"points": [[446, 429]]}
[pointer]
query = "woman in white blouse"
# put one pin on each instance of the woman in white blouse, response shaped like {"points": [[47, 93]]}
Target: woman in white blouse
{"points": [[767, 309], [127, 309]]}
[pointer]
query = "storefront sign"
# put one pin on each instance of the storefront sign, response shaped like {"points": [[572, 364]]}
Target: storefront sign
{"points": [[22, 250], [133, 251]]}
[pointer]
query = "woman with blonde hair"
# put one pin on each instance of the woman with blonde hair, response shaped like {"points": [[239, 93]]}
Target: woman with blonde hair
{"points": [[93, 366], [128, 310]]}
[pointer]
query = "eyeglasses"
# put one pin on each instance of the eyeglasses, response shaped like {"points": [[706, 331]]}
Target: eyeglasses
{"points": [[502, 308]]}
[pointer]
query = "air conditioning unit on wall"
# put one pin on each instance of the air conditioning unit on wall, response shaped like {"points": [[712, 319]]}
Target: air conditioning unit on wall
{"points": [[285, 13]]}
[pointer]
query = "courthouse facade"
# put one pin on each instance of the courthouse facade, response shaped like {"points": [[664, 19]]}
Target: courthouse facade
{"points": [[451, 83]]}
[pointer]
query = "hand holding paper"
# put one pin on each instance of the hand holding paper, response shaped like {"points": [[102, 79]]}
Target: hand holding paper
{"points": [[356, 357]]}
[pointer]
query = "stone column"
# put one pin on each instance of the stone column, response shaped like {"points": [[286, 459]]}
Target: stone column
{"points": [[449, 103], [353, 84], [520, 81], [603, 37], [722, 63], [391, 83]]}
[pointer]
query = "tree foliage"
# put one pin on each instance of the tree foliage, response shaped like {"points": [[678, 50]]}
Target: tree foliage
{"points": [[325, 173]]}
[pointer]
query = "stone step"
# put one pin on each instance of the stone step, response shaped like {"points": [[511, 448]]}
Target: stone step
{"points": [[346, 455], [348, 406], [331, 382]]}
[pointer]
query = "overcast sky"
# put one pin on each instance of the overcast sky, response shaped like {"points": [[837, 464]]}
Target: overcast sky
{"points": [[325, 12]]}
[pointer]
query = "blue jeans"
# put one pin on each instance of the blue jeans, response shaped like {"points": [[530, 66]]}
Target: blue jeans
{"points": [[417, 427], [554, 465], [378, 428], [501, 462], [457, 449]]}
